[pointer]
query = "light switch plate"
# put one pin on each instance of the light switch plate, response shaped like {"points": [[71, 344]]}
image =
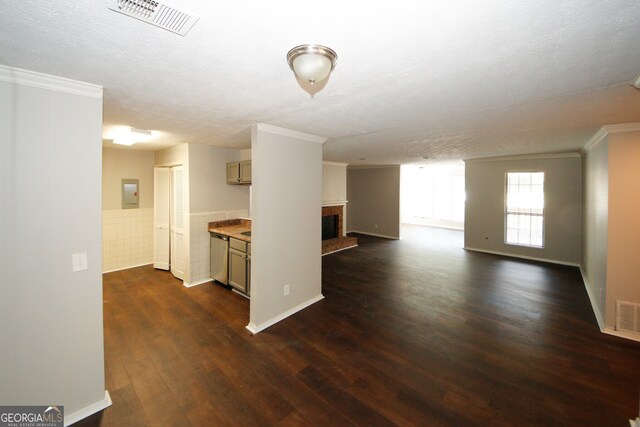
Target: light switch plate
{"points": [[79, 261]]}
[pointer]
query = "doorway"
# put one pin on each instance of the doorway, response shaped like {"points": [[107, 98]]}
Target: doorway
{"points": [[433, 195]]}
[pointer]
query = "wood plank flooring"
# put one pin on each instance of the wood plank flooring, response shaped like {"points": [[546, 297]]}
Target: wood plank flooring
{"points": [[411, 332]]}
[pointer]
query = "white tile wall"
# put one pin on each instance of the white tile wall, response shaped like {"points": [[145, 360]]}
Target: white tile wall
{"points": [[199, 241], [127, 238]]}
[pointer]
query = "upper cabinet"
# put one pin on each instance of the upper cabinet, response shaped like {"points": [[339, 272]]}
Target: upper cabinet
{"points": [[239, 172], [245, 172]]}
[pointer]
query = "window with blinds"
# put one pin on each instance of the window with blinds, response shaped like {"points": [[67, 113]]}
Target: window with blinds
{"points": [[524, 209]]}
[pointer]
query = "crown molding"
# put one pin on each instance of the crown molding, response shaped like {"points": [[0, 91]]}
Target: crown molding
{"points": [[595, 139], [45, 81], [524, 157], [600, 135], [622, 127], [263, 127], [328, 163]]}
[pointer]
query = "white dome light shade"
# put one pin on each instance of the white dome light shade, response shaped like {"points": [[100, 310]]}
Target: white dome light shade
{"points": [[312, 67], [312, 63]]}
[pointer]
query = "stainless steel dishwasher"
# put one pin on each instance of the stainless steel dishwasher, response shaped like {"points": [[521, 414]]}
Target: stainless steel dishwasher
{"points": [[219, 260]]}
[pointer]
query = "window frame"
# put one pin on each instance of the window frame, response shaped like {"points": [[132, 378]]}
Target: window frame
{"points": [[507, 212]]}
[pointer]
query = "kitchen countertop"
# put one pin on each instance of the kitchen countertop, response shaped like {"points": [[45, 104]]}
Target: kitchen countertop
{"points": [[232, 228]]}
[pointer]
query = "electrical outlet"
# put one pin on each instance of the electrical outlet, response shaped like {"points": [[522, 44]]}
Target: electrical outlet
{"points": [[79, 262], [286, 290]]}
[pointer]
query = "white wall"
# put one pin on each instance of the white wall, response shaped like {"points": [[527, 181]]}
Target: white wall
{"points": [[245, 154], [50, 317], [374, 200], [286, 234], [126, 164], [334, 182], [485, 204], [623, 266], [173, 156], [612, 232], [127, 234], [595, 229], [208, 188]]}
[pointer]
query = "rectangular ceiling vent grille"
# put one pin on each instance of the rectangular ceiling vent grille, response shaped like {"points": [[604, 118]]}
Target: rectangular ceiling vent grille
{"points": [[628, 317], [159, 13]]}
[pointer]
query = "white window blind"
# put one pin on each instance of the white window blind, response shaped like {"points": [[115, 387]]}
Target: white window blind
{"points": [[524, 211]]}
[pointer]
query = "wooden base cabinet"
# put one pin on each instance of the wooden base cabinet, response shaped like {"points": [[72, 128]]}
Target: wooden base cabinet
{"points": [[238, 265]]}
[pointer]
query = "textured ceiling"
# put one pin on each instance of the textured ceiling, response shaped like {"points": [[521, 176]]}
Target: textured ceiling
{"points": [[443, 80]]}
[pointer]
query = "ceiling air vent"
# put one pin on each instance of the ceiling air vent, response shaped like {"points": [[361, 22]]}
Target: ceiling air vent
{"points": [[158, 13]]}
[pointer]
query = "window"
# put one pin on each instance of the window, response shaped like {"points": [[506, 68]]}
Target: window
{"points": [[524, 211]]}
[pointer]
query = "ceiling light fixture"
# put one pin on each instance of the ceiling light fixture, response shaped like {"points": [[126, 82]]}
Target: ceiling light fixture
{"points": [[132, 135], [311, 62]]}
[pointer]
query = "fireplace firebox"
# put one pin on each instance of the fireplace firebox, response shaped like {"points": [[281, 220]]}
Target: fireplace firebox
{"points": [[329, 227]]}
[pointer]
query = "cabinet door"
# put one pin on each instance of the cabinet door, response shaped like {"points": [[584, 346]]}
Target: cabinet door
{"points": [[233, 173], [238, 270], [249, 274], [176, 222], [161, 236], [245, 172]]}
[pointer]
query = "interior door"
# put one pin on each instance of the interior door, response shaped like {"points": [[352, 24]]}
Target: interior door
{"points": [[161, 195], [176, 222]]}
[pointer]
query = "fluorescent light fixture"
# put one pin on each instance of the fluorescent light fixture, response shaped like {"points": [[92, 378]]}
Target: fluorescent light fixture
{"points": [[132, 135]]}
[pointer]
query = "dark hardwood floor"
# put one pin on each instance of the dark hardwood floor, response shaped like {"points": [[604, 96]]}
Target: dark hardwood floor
{"points": [[411, 332]]}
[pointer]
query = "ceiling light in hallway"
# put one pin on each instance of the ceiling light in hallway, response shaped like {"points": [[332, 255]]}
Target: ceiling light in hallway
{"points": [[130, 136]]}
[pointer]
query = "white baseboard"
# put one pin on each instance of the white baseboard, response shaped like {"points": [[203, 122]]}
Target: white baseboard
{"points": [[592, 299], [374, 234], [603, 328], [234, 290], [127, 267], [191, 285], [531, 258], [254, 329], [88, 410], [620, 334]]}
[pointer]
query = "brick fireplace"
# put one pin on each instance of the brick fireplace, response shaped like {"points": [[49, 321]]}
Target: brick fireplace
{"points": [[341, 241]]}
